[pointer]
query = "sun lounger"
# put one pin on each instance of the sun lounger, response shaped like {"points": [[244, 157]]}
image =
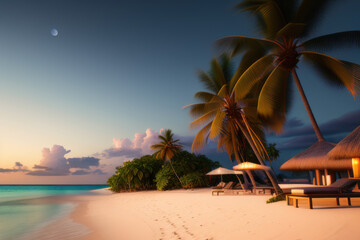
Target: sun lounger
{"points": [[237, 189], [219, 186], [226, 187], [342, 188], [264, 190]]}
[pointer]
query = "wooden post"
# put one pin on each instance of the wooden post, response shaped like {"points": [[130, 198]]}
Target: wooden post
{"points": [[325, 178], [318, 177], [349, 173], [295, 202]]}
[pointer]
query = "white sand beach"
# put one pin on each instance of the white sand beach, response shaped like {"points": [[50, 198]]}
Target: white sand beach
{"points": [[186, 214]]}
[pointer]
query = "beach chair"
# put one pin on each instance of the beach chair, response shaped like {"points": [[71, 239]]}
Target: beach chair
{"points": [[342, 188], [264, 190], [222, 190], [220, 185], [237, 189]]}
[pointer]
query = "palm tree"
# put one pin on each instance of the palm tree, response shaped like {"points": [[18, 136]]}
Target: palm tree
{"points": [[284, 25], [232, 122], [167, 148], [273, 153]]}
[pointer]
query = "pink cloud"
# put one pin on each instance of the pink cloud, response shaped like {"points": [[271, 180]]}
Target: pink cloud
{"points": [[139, 146]]}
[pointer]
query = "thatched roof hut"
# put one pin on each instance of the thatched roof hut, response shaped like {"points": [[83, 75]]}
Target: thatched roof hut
{"points": [[349, 147], [315, 157]]}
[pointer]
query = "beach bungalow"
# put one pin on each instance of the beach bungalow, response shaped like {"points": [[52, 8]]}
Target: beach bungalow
{"points": [[315, 159], [349, 147]]}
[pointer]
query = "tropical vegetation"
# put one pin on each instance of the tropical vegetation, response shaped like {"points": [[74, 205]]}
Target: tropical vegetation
{"points": [[232, 122], [190, 167], [167, 148], [285, 26], [138, 174], [150, 173]]}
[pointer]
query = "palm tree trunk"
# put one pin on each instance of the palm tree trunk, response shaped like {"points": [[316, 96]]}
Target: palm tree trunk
{"points": [[271, 166], [238, 160], [307, 107], [269, 175], [176, 174]]}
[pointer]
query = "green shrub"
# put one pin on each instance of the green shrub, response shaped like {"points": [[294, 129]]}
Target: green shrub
{"points": [[184, 163], [280, 197], [138, 174], [166, 179], [148, 173], [194, 180]]}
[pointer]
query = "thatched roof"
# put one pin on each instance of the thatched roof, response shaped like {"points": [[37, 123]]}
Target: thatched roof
{"points": [[349, 147], [251, 166], [315, 157]]}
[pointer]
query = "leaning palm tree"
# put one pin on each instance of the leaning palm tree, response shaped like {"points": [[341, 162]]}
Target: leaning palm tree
{"points": [[223, 118], [167, 148], [285, 25]]}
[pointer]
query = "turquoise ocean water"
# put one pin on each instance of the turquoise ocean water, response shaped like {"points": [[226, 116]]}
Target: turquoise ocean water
{"points": [[24, 208]]}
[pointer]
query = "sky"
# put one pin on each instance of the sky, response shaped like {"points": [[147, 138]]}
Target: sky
{"points": [[75, 105]]}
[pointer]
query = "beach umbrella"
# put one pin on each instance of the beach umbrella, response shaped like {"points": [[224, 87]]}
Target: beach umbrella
{"points": [[247, 166], [223, 171], [250, 166], [349, 147]]}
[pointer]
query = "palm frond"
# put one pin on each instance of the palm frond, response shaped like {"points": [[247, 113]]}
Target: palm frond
{"points": [[242, 42], [334, 40], [253, 75], [199, 109], [291, 30], [310, 11], [333, 70], [355, 72], [269, 15], [156, 146], [226, 67], [201, 138], [204, 119], [204, 96], [207, 81], [216, 125], [272, 98], [223, 91], [217, 74], [249, 57]]}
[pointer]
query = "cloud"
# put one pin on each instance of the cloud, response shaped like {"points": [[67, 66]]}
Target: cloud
{"points": [[55, 162], [18, 164], [18, 167], [139, 146], [84, 162], [345, 123], [302, 136], [298, 142], [40, 167], [98, 172], [81, 172], [84, 172]]}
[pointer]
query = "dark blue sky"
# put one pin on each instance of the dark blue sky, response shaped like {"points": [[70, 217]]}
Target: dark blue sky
{"points": [[119, 67]]}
